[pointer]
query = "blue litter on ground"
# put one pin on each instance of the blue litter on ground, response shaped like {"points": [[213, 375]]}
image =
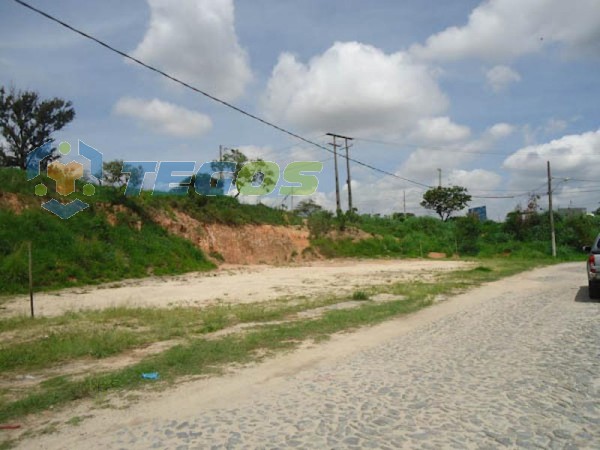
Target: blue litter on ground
{"points": [[151, 376]]}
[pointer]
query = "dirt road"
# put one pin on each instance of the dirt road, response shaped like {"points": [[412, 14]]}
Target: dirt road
{"points": [[515, 363], [232, 284]]}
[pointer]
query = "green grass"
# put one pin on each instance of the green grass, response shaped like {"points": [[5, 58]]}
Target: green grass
{"points": [[220, 209], [7, 445], [360, 295], [46, 342], [198, 356], [86, 249], [417, 236]]}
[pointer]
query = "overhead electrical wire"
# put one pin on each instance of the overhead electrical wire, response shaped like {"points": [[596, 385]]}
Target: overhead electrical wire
{"points": [[427, 147], [212, 97], [264, 121]]}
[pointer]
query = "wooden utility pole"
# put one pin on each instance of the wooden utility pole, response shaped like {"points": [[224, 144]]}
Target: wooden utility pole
{"points": [[404, 202], [30, 278], [335, 165], [440, 177], [349, 179], [553, 234]]}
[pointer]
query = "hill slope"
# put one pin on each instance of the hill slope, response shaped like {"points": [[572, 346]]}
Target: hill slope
{"points": [[118, 237]]}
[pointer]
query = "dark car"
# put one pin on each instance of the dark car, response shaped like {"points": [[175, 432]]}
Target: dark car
{"points": [[593, 268]]}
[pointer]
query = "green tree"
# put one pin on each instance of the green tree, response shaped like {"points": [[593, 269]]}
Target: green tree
{"points": [[258, 173], [26, 122], [446, 200], [236, 156], [112, 173], [256, 176]]}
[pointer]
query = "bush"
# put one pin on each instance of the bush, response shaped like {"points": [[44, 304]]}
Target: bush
{"points": [[319, 224]]}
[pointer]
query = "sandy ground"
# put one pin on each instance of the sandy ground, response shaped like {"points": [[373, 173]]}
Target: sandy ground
{"points": [[510, 364], [232, 284]]}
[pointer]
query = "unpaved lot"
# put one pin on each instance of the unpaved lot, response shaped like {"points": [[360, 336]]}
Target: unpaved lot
{"points": [[512, 364], [233, 284]]}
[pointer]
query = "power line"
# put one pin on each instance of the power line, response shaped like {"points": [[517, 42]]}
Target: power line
{"points": [[522, 194], [578, 192], [428, 147], [206, 94], [584, 181], [499, 196]]}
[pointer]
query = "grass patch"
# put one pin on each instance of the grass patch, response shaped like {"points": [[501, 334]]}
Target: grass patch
{"points": [[47, 342], [7, 445], [75, 421], [360, 295]]}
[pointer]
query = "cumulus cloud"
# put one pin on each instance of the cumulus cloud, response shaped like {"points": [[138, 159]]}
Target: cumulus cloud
{"points": [[196, 41], [164, 117], [502, 30], [500, 130], [439, 130], [283, 156], [573, 158], [500, 77], [353, 87], [424, 161], [572, 155], [475, 180]]}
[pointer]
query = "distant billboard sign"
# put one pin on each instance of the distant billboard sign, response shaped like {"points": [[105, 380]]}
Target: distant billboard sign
{"points": [[480, 212]]}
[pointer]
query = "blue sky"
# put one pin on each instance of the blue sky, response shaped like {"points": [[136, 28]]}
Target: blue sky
{"points": [[486, 91]]}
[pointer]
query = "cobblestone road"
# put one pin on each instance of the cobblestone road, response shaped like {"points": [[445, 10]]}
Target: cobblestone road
{"points": [[519, 369]]}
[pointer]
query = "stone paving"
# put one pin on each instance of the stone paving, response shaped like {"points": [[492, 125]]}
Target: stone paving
{"points": [[514, 371]]}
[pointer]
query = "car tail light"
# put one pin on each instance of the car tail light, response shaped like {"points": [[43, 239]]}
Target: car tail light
{"points": [[592, 263]]}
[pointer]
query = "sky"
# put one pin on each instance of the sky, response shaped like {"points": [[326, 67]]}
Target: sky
{"points": [[488, 92]]}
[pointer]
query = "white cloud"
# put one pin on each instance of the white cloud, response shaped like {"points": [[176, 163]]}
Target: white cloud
{"points": [[499, 77], [555, 126], [353, 87], [164, 117], [195, 40], [572, 155], [531, 134], [475, 180], [575, 157], [502, 30], [424, 161], [500, 130], [439, 130], [283, 156]]}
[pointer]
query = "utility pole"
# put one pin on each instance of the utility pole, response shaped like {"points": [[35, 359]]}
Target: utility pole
{"points": [[404, 202], [551, 212], [348, 180], [335, 165], [440, 177], [346, 139], [220, 153]]}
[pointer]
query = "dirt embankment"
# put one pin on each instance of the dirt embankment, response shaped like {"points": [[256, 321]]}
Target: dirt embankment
{"points": [[241, 244], [14, 202], [233, 244]]}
